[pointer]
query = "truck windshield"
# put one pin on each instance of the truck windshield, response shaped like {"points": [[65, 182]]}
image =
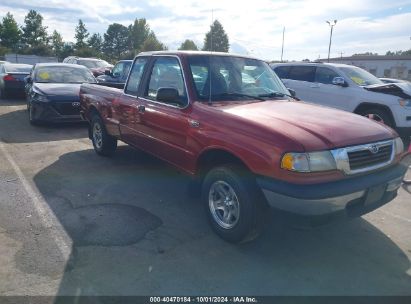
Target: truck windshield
{"points": [[360, 76], [228, 77]]}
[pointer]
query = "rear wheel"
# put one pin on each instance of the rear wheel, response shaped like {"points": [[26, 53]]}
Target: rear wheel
{"points": [[378, 115], [104, 144], [234, 205]]}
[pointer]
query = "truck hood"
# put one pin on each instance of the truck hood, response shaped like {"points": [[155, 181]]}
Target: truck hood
{"points": [[315, 127], [402, 90]]}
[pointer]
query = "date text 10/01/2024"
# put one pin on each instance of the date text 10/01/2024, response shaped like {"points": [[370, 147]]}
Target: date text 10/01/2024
{"points": [[203, 300]]}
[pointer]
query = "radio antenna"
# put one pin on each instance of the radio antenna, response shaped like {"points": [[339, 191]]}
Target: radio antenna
{"points": [[209, 57]]}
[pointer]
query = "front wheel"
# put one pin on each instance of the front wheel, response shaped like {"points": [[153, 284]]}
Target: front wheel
{"points": [[378, 115], [104, 144], [234, 204]]}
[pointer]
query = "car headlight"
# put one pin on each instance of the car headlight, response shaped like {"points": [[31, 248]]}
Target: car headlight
{"points": [[405, 102], [398, 145], [309, 162], [41, 98]]}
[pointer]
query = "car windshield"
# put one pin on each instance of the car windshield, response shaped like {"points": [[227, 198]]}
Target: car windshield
{"points": [[234, 78], [18, 68], [62, 74], [360, 76], [92, 64]]}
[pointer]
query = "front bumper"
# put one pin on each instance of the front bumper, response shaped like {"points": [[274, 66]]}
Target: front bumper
{"points": [[349, 197], [45, 111]]}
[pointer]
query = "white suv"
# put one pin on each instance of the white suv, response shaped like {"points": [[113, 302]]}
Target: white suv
{"points": [[351, 89]]}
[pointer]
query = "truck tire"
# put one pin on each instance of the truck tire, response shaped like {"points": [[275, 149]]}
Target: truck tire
{"points": [[104, 144], [234, 205], [378, 115]]}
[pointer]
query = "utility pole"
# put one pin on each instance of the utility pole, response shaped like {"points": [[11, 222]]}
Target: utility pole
{"points": [[341, 53], [282, 48], [331, 24]]}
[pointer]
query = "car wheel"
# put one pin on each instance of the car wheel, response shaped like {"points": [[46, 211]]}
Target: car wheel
{"points": [[378, 115], [104, 144], [234, 205]]}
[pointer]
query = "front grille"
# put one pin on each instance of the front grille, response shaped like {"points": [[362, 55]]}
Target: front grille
{"points": [[66, 108], [366, 158]]}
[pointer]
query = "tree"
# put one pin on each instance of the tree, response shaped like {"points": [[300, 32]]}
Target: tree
{"points": [[57, 44], [95, 42], [68, 49], [139, 32], [216, 39], [34, 33], [152, 44], [398, 53], [366, 54], [116, 41], [9, 32], [188, 45], [81, 35]]}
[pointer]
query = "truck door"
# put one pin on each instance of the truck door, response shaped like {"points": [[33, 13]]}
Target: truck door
{"points": [[165, 124], [126, 109]]}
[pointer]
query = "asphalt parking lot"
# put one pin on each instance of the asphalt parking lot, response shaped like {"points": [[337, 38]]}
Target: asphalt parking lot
{"points": [[73, 223]]}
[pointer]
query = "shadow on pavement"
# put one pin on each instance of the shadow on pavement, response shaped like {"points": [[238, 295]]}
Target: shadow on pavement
{"points": [[13, 101], [15, 128], [136, 232]]}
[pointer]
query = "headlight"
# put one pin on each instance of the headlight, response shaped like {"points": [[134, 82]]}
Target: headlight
{"points": [[399, 146], [308, 162], [405, 102], [41, 98]]}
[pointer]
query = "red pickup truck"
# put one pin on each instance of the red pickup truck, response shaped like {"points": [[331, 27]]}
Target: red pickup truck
{"points": [[229, 122]]}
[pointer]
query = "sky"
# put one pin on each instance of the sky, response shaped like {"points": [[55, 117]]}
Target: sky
{"points": [[253, 27]]}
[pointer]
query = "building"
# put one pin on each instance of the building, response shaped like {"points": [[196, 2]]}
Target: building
{"points": [[381, 66]]}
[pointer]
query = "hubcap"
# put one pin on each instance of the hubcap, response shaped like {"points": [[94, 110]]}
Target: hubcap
{"points": [[375, 117], [97, 135], [223, 204]]}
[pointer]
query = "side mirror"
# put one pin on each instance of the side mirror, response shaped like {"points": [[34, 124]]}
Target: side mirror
{"points": [[169, 95], [339, 81], [107, 72], [292, 92], [28, 79]]}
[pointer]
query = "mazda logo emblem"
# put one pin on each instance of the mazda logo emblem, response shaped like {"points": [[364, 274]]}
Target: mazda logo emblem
{"points": [[75, 104], [374, 149]]}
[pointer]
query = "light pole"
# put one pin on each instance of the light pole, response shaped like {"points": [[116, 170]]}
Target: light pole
{"points": [[331, 24]]}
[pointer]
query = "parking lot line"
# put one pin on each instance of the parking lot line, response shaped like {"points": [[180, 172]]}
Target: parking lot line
{"points": [[44, 212]]}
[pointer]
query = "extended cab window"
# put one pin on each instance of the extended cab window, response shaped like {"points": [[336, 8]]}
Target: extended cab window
{"points": [[302, 73], [325, 75], [166, 73], [135, 76]]}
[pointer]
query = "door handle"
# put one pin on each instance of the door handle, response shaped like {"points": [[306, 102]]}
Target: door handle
{"points": [[141, 109], [314, 86]]}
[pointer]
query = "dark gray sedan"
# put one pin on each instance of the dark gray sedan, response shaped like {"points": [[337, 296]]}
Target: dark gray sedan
{"points": [[12, 78], [53, 92]]}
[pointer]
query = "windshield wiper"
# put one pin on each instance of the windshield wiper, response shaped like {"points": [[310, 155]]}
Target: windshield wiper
{"points": [[236, 94], [277, 94]]}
